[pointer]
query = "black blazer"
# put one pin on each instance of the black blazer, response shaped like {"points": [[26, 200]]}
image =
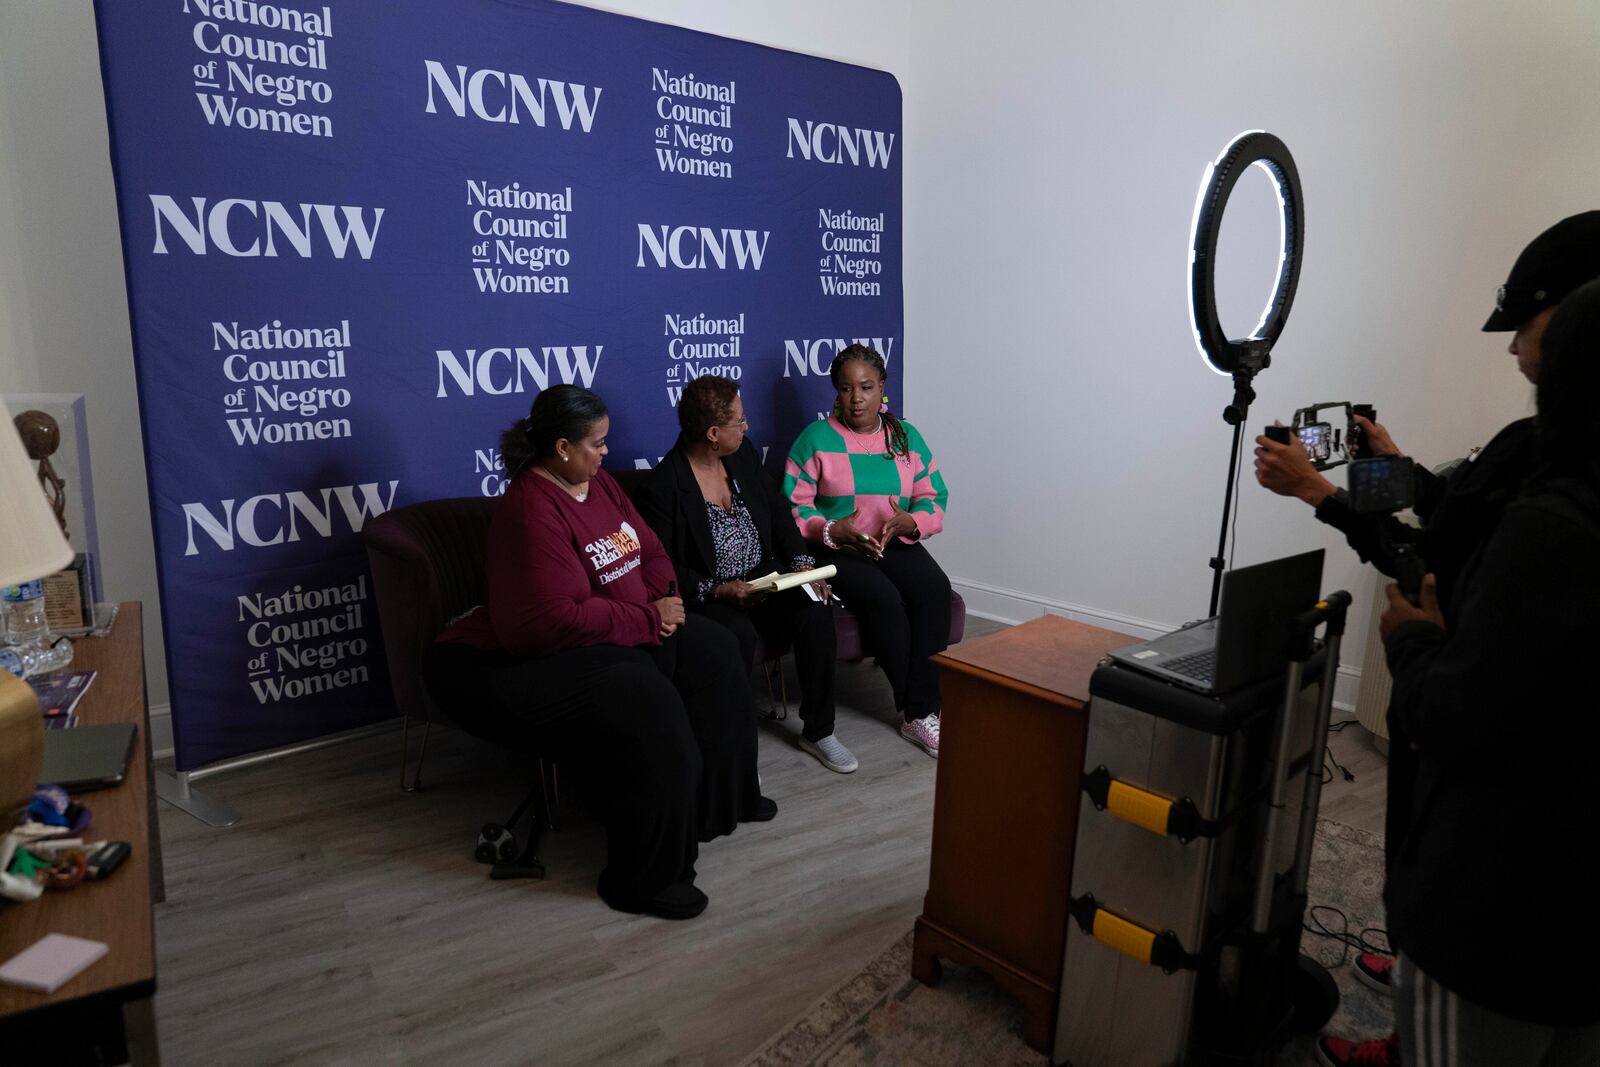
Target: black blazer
{"points": [[671, 502]]}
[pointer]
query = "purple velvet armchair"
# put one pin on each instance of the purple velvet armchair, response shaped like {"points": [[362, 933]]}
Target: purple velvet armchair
{"points": [[427, 568]]}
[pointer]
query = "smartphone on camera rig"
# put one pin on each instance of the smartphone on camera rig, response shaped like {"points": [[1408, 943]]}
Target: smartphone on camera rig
{"points": [[1384, 485], [1328, 445]]}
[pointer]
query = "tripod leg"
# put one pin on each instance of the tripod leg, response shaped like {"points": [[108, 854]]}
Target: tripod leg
{"points": [[1220, 560]]}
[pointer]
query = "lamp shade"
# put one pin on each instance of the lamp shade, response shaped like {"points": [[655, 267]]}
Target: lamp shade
{"points": [[31, 543]]}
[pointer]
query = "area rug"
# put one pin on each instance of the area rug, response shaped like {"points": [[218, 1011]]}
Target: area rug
{"points": [[883, 1016]]}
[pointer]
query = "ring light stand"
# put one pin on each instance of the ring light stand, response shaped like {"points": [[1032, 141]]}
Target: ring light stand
{"points": [[1241, 359]]}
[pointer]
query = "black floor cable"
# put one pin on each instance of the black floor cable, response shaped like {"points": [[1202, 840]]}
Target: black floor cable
{"points": [[1328, 756], [1373, 939]]}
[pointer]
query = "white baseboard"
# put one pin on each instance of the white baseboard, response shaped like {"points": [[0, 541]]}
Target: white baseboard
{"points": [[1012, 606], [161, 730]]}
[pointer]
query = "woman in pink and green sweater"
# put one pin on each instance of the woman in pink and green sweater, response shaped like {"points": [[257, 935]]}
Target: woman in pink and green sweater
{"points": [[867, 493]]}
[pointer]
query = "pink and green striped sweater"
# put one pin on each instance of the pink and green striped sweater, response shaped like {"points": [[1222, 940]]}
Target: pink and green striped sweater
{"points": [[832, 472]]}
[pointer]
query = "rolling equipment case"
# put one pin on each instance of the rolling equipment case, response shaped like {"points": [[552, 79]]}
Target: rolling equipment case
{"points": [[1189, 883]]}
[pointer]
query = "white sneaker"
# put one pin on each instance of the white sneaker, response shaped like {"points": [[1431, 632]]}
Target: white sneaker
{"points": [[831, 753]]}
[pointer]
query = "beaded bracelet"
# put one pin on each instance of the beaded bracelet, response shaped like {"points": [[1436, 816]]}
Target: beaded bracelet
{"points": [[827, 535]]}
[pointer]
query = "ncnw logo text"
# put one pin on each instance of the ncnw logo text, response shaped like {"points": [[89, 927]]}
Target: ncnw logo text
{"points": [[827, 142], [499, 371], [815, 355], [237, 227], [498, 96], [280, 518], [700, 247]]}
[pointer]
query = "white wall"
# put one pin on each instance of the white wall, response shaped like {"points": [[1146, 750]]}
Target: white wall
{"points": [[63, 307], [1053, 151]]}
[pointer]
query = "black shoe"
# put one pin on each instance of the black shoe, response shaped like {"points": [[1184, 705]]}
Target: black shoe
{"points": [[764, 811], [680, 900]]}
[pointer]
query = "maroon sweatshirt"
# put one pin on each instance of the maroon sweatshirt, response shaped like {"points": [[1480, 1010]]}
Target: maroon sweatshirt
{"points": [[565, 574]]}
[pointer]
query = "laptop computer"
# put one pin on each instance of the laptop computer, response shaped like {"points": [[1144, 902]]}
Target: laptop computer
{"points": [[87, 757], [1247, 641]]}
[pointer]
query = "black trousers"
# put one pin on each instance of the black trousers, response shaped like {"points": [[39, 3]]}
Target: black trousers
{"points": [[667, 736], [789, 618], [903, 604]]}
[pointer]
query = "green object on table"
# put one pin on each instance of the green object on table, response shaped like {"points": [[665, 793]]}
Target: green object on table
{"points": [[25, 864]]}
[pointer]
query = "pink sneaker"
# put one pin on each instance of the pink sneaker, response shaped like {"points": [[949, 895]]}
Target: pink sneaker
{"points": [[924, 733], [1342, 1052], [1375, 970]]}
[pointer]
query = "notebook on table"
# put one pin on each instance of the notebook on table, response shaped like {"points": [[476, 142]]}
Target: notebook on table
{"points": [[87, 757], [1247, 640]]}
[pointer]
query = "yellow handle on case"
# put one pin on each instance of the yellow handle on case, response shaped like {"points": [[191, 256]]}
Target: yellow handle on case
{"points": [[1127, 938], [1138, 807]]}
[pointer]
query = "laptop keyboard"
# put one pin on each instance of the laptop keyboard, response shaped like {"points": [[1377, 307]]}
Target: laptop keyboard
{"points": [[1200, 666]]}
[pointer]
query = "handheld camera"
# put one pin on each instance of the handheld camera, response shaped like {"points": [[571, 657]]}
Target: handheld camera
{"points": [[1383, 486], [1328, 445]]}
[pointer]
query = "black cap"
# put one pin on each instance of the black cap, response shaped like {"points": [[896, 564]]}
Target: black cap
{"points": [[1556, 262]]}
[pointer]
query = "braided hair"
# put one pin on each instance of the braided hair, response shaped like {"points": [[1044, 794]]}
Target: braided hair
{"points": [[894, 429], [561, 411]]}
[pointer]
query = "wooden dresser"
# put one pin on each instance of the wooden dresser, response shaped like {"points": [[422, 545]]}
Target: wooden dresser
{"points": [[1005, 813]]}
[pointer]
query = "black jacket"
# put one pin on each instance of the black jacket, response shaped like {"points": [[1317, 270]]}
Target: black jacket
{"points": [[1458, 514], [671, 502], [1487, 891]]}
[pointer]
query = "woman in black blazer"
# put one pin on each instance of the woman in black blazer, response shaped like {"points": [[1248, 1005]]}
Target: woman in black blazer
{"points": [[722, 522]]}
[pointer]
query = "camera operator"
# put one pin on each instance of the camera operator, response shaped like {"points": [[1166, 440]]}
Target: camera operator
{"points": [[1493, 694], [1458, 513]]}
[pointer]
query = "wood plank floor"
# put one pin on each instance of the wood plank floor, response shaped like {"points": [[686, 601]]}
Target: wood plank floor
{"points": [[344, 922], [1358, 803]]}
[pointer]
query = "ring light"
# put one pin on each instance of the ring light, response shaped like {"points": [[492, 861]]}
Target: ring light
{"points": [[1253, 148]]}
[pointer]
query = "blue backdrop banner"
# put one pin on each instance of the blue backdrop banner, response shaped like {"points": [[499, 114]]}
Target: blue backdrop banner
{"points": [[360, 238]]}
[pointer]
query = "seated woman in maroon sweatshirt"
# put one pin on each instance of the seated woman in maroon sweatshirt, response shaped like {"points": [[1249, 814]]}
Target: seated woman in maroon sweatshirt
{"points": [[582, 654]]}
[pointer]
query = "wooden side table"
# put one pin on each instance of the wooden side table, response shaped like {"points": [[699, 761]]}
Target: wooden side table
{"points": [[108, 1004], [1005, 812]]}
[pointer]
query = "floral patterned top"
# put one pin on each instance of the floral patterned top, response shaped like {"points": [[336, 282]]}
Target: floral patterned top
{"points": [[738, 547]]}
